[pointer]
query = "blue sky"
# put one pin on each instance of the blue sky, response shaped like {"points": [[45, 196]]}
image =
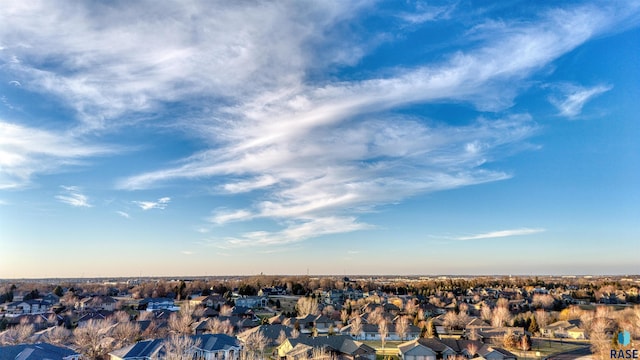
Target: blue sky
{"points": [[198, 138]]}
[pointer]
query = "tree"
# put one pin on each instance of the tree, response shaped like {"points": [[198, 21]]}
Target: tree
{"points": [[356, 327], [89, 338], [402, 325], [501, 316], [307, 305], [179, 347], [525, 342], [58, 291], [216, 326], [533, 325], [59, 336], [282, 337], [472, 349], [18, 334], [383, 330], [255, 344], [542, 318], [510, 340], [485, 313], [226, 310], [125, 333], [180, 323]]}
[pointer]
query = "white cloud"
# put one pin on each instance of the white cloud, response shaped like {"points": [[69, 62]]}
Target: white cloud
{"points": [[26, 151], [123, 214], [160, 204], [186, 252], [297, 231], [318, 152], [502, 233], [573, 98], [71, 195], [222, 216], [326, 151]]}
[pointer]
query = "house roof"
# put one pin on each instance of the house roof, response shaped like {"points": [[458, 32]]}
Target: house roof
{"points": [[141, 349], [216, 342], [340, 343], [35, 352], [271, 331]]}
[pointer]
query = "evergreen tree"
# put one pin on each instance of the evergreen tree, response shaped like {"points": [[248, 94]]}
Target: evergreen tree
{"points": [[533, 326], [58, 291]]}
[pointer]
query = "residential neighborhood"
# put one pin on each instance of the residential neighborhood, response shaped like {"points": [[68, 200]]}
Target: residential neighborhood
{"points": [[500, 318]]}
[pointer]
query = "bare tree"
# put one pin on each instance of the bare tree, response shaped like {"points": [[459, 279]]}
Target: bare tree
{"points": [[472, 349], [410, 308], [486, 313], [501, 316], [216, 326], [376, 315], [282, 337], [402, 325], [542, 318], [383, 330], [125, 333], [179, 347], [598, 337], [226, 310], [89, 338], [307, 305], [295, 333], [356, 327], [180, 323], [59, 336], [18, 334], [450, 320], [255, 344], [344, 316], [510, 340], [544, 301], [146, 315]]}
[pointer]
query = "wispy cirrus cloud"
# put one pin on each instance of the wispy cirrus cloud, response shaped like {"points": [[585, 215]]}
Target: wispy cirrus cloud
{"points": [[325, 151], [26, 151], [296, 232], [317, 152], [572, 98], [502, 233], [160, 204], [72, 195], [124, 214]]}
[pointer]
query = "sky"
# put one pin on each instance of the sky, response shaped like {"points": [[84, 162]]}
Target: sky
{"points": [[201, 138]]}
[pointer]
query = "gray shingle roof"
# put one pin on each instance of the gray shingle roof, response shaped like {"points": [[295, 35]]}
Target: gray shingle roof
{"points": [[35, 352]]}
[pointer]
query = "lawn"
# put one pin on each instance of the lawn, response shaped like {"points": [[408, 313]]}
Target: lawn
{"points": [[544, 347]]}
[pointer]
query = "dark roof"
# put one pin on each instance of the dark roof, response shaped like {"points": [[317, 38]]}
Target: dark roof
{"points": [[35, 352], [340, 343], [271, 331], [215, 342], [145, 348]]}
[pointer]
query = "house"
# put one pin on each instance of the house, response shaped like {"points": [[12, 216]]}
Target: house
{"points": [[208, 347], [433, 348], [270, 332], [151, 304], [216, 346], [26, 307], [372, 332], [37, 351], [560, 329], [106, 303], [344, 347], [142, 350], [252, 301], [211, 301]]}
